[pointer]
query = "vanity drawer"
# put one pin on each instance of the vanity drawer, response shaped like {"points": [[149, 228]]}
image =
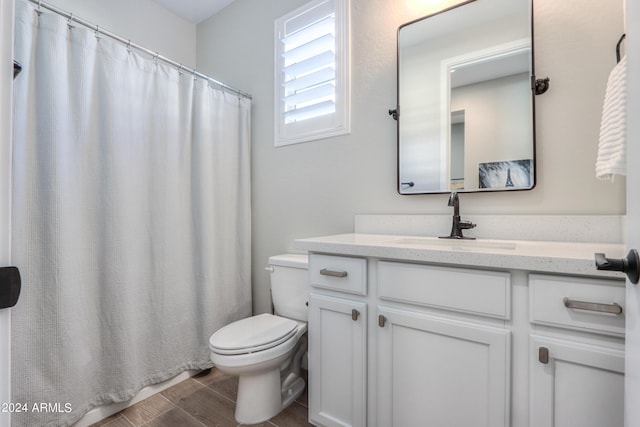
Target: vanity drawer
{"points": [[577, 303], [338, 273], [474, 291]]}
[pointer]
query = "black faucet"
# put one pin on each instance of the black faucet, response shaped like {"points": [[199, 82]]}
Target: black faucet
{"points": [[457, 226]]}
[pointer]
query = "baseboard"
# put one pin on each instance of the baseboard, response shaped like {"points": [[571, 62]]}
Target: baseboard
{"points": [[102, 412]]}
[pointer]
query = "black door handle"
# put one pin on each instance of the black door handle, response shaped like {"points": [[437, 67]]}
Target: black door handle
{"points": [[10, 285], [627, 265]]}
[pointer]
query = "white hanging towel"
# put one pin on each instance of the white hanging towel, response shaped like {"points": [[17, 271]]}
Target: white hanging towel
{"points": [[612, 148]]}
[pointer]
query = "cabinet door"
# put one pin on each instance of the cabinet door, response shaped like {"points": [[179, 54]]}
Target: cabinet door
{"points": [[575, 384], [337, 361], [440, 372]]}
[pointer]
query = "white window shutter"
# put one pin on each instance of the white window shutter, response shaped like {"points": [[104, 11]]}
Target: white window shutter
{"points": [[312, 99]]}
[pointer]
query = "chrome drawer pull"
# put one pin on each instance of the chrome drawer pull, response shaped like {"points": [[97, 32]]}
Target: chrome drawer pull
{"points": [[614, 308], [332, 273]]}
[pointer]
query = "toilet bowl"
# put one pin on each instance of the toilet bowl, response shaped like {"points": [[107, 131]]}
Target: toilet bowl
{"points": [[266, 351]]}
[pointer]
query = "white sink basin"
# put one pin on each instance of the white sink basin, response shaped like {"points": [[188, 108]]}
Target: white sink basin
{"points": [[466, 244]]}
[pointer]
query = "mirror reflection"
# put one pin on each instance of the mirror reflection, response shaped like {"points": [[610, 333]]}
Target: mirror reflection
{"points": [[465, 99]]}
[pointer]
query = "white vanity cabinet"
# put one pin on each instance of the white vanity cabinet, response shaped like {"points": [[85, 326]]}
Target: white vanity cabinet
{"points": [[337, 361], [518, 334], [451, 370], [577, 365], [441, 372], [433, 367], [337, 342]]}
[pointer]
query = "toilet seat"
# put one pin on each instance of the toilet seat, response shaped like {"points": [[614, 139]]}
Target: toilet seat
{"points": [[252, 334]]}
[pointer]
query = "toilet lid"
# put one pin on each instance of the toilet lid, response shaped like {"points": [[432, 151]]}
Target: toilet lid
{"points": [[252, 334]]}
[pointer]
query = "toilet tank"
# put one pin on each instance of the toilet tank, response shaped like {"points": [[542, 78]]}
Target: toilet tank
{"points": [[290, 285]]}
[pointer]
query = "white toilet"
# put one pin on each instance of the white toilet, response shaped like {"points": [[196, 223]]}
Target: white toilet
{"points": [[266, 351]]}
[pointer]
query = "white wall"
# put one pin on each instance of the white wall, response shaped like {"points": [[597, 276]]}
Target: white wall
{"points": [[316, 188], [485, 141], [143, 21]]}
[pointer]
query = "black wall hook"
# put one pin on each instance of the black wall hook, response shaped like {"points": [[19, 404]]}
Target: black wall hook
{"points": [[394, 114]]}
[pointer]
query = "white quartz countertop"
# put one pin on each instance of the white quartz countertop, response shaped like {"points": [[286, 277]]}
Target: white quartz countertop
{"points": [[538, 256]]}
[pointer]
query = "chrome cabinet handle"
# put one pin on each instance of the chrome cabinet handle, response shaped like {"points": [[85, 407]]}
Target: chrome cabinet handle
{"points": [[614, 308], [326, 272]]}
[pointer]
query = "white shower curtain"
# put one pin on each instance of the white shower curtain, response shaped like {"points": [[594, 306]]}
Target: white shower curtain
{"points": [[131, 219]]}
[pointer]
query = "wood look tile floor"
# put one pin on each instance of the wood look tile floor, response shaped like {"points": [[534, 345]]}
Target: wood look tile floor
{"points": [[208, 399]]}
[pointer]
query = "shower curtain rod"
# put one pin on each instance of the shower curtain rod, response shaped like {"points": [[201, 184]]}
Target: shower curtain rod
{"points": [[130, 44]]}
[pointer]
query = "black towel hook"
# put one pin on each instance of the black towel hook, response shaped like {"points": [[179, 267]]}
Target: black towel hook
{"points": [[618, 47]]}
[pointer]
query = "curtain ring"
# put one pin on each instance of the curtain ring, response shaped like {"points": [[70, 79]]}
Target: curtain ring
{"points": [[155, 58], [129, 46], [98, 32], [70, 21], [180, 69]]}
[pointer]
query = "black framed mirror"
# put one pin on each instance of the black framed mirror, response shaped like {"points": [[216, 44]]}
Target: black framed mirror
{"points": [[465, 99]]}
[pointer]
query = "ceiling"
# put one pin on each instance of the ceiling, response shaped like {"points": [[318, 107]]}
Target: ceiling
{"points": [[194, 11]]}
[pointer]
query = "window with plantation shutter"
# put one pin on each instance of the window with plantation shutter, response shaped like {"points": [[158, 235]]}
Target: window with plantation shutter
{"points": [[312, 72]]}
